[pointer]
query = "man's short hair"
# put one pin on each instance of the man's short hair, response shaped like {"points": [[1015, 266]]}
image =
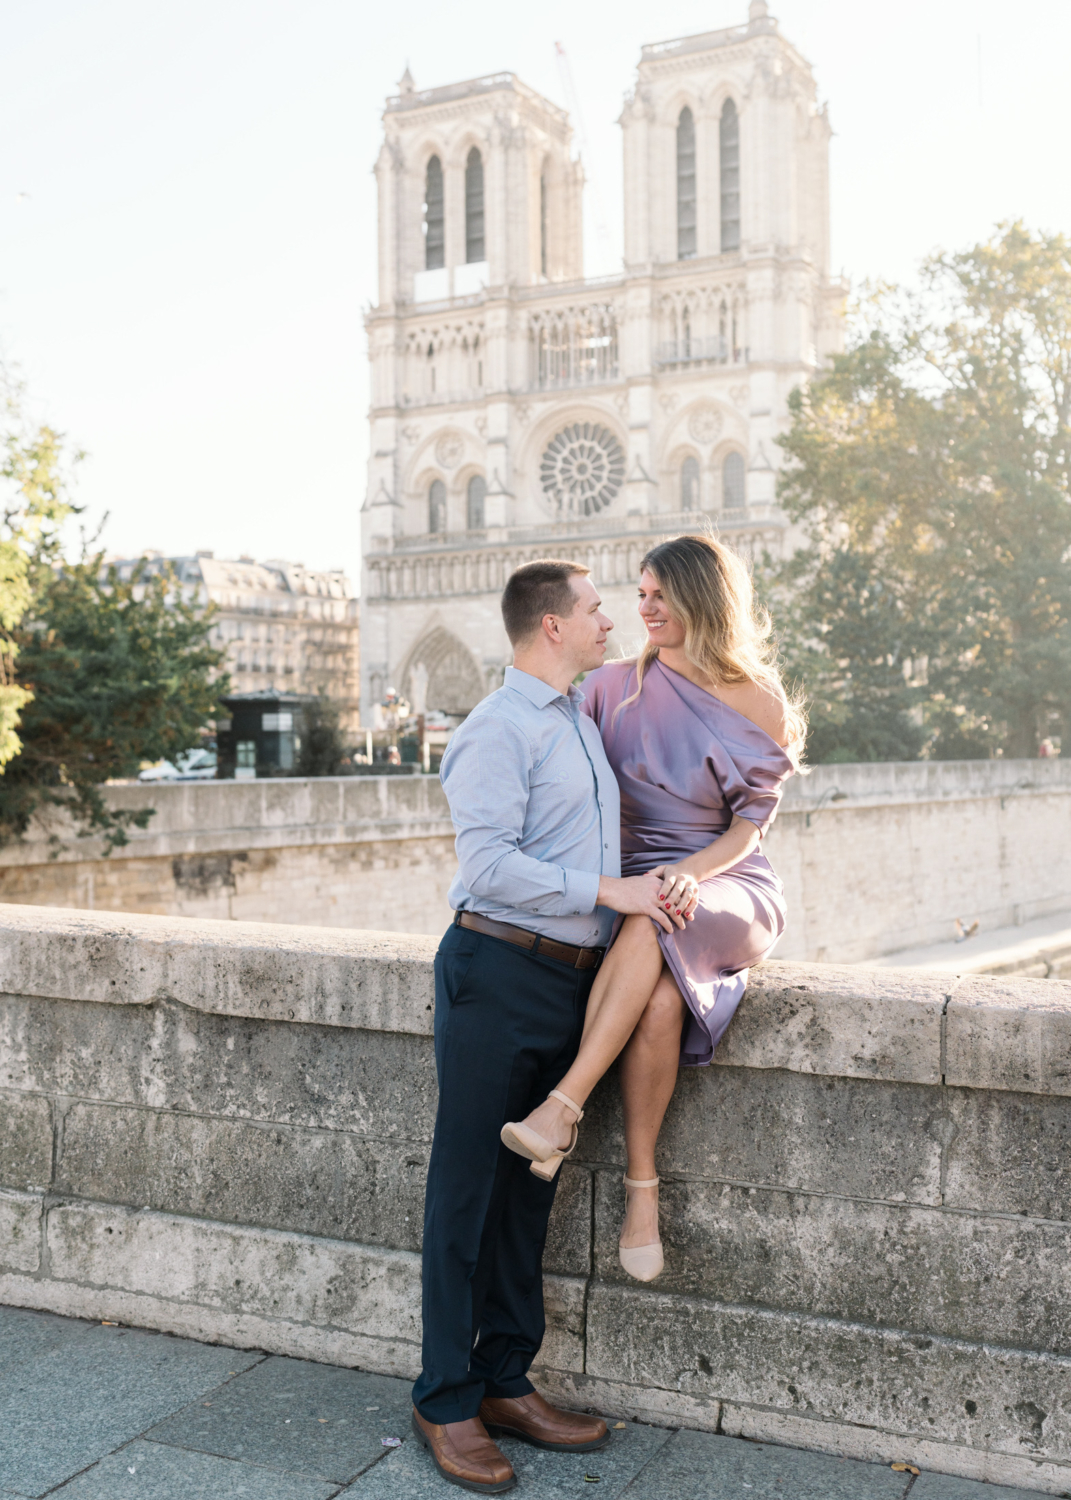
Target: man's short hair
{"points": [[537, 589]]}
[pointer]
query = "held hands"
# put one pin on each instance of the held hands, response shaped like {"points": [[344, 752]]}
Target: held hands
{"points": [[639, 895], [678, 893]]}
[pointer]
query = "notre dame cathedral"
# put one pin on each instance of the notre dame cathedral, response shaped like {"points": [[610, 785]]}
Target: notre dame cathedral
{"points": [[521, 411]]}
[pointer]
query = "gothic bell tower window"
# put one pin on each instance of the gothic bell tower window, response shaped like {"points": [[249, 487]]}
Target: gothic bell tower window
{"points": [[686, 219], [434, 220], [730, 177], [474, 236]]}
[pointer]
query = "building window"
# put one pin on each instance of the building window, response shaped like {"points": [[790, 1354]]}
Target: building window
{"points": [[732, 481], [730, 177], [434, 220], [685, 185], [474, 240], [437, 506], [573, 346], [543, 225], [476, 496], [690, 484]]}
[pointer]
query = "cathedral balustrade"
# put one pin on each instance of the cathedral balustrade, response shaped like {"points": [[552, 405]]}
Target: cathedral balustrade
{"points": [[572, 346], [437, 565]]}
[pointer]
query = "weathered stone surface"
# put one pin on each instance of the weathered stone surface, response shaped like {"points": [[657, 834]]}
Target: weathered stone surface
{"points": [[1010, 1034], [568, 1249], [848, 1022], [963, 1393], [1009, 1153], [563, 1302], [166, 1056], [834, 1135], [20, 1231], [998, 1279], [377, 980], [25, 1140], [259, 1271], [329, 1183]]}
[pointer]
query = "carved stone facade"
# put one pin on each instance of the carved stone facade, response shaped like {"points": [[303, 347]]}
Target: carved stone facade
{"points": [[519, 411]]}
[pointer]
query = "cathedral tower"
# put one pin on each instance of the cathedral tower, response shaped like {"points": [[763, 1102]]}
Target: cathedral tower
{"points": [[520, 411]]}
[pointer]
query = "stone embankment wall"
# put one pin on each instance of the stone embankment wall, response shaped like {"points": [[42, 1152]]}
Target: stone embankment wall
{"points": [[222, 1129], [874, 857]]}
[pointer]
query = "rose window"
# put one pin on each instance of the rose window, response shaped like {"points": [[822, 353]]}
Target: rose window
{"points": [[582, 469]]}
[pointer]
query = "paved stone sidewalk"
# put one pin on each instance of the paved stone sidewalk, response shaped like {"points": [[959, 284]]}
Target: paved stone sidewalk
{"points": [[96, 1412]]}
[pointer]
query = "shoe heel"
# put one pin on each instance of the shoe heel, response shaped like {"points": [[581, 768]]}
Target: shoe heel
{"points": [[547, 1170]]}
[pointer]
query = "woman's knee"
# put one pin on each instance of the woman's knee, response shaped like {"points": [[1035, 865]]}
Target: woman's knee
{"points": [[664, 1012]]}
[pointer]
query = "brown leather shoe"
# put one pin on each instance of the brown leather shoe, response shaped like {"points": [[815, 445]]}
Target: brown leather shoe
{"points": [[537, 1422], [465, 1455]]}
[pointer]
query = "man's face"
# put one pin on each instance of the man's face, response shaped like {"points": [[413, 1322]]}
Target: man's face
{"points": [[584, 632]]}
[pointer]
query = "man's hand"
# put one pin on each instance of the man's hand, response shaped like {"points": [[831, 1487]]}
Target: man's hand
{"points": [[637, 896]]}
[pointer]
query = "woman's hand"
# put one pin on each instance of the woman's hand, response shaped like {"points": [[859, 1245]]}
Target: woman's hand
{"points": [[679, 893]]}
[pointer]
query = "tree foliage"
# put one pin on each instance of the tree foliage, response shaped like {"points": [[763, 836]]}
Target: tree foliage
{"points": [[33, 506], [119, 671], [930, 609], [322, 746]]}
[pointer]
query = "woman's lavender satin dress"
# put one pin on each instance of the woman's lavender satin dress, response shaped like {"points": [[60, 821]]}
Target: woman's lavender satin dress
{"points": [[685, 763]]}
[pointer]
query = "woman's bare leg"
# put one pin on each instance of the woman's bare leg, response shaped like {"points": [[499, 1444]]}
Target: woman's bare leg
{"points": [[648, 1077], [619, 996]]}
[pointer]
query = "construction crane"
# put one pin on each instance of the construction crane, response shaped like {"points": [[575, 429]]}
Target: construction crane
{"points": [[572, 100]]}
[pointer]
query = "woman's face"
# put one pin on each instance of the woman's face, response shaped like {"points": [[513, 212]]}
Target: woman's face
{"points": [[662, 628]]}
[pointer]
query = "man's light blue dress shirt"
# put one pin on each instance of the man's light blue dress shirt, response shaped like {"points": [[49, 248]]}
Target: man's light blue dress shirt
{"points": [[536, 811]]}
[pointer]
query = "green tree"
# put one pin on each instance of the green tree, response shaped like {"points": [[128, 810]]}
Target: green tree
{"points": [[119, 671], [930, 470], [322, 746], [33, 506]]}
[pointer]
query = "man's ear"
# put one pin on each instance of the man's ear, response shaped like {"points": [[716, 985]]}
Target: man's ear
{"points": [[551, 627]]}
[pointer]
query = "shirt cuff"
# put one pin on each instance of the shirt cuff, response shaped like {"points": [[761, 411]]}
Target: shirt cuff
{"points": [[581, 893]]}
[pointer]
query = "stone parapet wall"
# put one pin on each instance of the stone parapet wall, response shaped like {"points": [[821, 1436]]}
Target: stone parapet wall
{"points": [[874, 858], [221, 1129]]}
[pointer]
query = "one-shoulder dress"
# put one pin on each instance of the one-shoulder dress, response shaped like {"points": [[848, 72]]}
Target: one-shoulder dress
{"points": [[686, 763]]}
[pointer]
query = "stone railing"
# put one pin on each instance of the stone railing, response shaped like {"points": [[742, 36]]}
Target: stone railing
{"points": [[222, 1130], [875, 858]]}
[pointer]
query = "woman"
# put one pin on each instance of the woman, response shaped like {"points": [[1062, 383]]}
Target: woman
{"points": [[702, 737]]}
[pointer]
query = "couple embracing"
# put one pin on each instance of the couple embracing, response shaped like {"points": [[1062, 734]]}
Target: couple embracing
{"points": [[668, 768]]}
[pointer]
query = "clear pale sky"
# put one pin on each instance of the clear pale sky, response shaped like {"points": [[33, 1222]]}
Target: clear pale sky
{"points": [[183, 285]]}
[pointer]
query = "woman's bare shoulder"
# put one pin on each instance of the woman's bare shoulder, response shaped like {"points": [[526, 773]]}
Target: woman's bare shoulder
{"points": [[762, 704]]}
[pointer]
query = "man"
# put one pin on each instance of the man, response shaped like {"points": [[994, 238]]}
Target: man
{"points": [[536, 812]]}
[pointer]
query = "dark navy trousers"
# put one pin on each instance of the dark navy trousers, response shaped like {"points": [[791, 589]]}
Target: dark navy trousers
{"points": [[507, 1028]]}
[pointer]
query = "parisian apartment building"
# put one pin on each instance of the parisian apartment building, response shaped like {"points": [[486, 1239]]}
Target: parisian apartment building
{"points": [[284, 627]]}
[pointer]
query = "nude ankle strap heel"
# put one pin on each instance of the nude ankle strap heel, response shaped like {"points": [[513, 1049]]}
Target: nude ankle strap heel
{"points": [[641, 1262], [545, 1157]]}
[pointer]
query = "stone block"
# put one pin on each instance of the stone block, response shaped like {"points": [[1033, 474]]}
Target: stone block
{"points": [[568, 1248], [961, 1275], [869, 1139], [1010, 1034], [237, 1269], [563, 1302], [20, 1230], [25, 1140], [161, 1473], [166, 1056], [380, 981], [977, 1395], [839, 1020], [1009, 1153], [330, 1183]]}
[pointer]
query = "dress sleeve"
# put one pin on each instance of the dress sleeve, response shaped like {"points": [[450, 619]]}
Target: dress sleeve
{"points": [[753, 783]]}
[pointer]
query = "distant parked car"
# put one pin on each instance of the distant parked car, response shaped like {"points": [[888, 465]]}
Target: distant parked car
{"points": [[192, 765]]}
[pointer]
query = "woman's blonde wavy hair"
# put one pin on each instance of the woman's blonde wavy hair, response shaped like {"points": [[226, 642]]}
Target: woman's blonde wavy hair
{"points": [[708, 589]]}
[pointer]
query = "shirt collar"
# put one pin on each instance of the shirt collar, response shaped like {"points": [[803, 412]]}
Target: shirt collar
{"points": [[536, 690]]}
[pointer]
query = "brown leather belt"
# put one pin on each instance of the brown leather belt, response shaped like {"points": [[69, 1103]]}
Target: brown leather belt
{"points": [[565, 953]]}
